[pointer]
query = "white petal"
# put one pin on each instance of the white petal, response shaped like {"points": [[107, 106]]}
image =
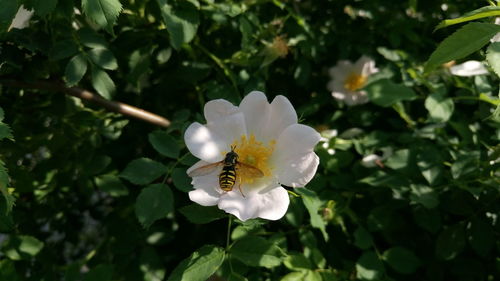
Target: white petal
{"points": [[204, 144], [468, 68], [216, 109], [270, 203], [230, 128], [282, 115], [298, 170], [207, 191], [257, 112], [336, 85], [294, 160], [22, 18], [365, 66], [341, 69], [339, 95]]}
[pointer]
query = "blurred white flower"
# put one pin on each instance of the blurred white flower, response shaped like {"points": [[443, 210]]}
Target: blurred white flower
{"points": [[265, 136], [469, 68], [373, 160], [349, 78], [22, 18], [496, 38]]}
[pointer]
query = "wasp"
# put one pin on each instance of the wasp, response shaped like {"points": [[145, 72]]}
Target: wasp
{"points": [[231, 167]]}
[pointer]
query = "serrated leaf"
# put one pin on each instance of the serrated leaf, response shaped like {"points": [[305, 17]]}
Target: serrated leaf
{"points": [[450, 242], [428, 219], [22, 247], [112, 185], [89, 38], [484, 12], [5, 132], [200, 265], [429, 163], [313, 204], [401, 260], [257, 251], [75, 69], [201, 214], [297, 262], [462, 43], [440, 108], [102, 12], [493, 56], [102, 83], [369, 267], [385, 93], [103, 58], [154, 202], [164, 144], [181, 20], [143, 171]]}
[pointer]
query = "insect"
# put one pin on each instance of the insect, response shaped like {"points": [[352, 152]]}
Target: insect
{"points": [[231, 171]]}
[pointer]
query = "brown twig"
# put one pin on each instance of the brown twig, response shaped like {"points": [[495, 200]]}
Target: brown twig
{"points": [[83, 94]]}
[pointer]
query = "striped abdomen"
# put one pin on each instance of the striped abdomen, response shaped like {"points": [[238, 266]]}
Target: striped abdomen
{"points": [[227, 177]]}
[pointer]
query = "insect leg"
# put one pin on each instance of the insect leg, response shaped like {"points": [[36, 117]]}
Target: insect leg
{"points": [[239, 187]]}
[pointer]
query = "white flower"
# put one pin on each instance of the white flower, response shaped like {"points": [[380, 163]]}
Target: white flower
{"points": [[469, 68], [265, 136], [22, 18], [496, 38], [348, 78]]}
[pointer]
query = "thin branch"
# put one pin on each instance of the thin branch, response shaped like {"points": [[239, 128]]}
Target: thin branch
{"points": [[83, 94]]}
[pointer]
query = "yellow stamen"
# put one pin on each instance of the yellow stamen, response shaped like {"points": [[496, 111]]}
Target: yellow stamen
{"points": [[355, 81], [254, 153]]}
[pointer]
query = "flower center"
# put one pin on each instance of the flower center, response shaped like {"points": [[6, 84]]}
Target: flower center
{"points": [[354, 81], [253, 153]]}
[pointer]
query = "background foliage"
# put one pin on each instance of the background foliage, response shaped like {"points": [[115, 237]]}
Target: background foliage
{"points": [[92, 195]]}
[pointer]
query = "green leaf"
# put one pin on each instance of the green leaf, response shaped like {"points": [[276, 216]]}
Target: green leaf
{"points": [[112, 185], [7, 13], [257, 251], [43, 7], [152, 265], [424, 195], [294, 276], [401, 260], [493, 56], [154, 202], [313, 205], [63, 49], [181, 19], [8, 200], [201, 214], [484, 12], [8, 271], [428, 219], [481, 236], [369, 267], [75, 69], [429, 162], [102, 12], [22, 247], [102, 272], [102, 83], [143, 171], [385, 93], [450, 242], [440, 108], [297, 262], [362, 238], [164, 144], [103, 58], [89, 38], [466, 164], [5, 132], [462, 43], [200, 265], [181, 180]]}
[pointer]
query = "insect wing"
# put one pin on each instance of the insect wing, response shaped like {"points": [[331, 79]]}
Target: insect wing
{"points": [[249, 170], [204, 170]]}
